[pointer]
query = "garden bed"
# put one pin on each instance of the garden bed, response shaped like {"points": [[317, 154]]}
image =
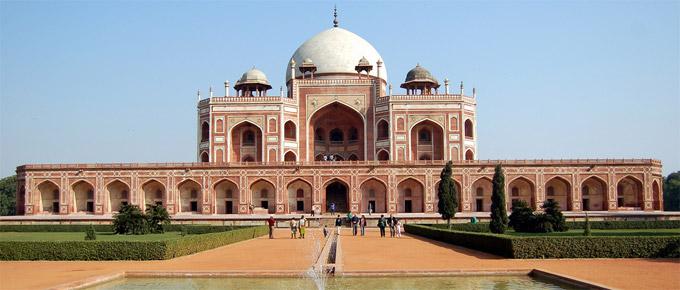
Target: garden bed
{"points": [[538, 246], [34, 246]]}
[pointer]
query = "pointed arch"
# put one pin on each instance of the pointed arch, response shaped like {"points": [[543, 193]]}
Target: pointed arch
{"points": [[155, 192], [629, 193], [263, 194], [290, 130], [190, 196], [50, 195], [522, 188], [340, 124], [560, 192], [290, 156], [481, 191], [656, 195], [246, 139], [205, 157], [118, 194], [427, 140], [373, 194], [299, 198], [205, 131], [383, 155], [469, 129], [382, 129], [226, 196], [469, 155], [594, 194], [82, 193], [336, 190], [411, 196]]}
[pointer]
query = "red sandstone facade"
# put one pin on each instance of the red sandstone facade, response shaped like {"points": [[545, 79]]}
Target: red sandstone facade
{"points": [[388, 151]]}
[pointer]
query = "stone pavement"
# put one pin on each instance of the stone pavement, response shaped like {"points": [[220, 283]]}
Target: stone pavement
{"points": [[368, 254]]}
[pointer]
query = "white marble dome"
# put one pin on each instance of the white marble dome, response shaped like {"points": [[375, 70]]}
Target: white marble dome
{"points": [[336, 50]]}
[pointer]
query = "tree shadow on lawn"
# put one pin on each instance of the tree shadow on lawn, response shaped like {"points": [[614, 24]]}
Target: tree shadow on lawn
{"points": [[462, 250]]}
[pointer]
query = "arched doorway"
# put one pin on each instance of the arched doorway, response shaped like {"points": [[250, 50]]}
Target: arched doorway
{"points": [[190, 196], [427, 140], [559, 190], [482, 189], [336, 193], [226, 197], [49, 198], [458, 191], [345, 128], [629, 193], [411, 197], [373, 192], [154, 193], [383, 155], [119, 195], [521, 189], [299, 197], [656, 194], [246, 143], [289, 156], [263, 194], [469, 155], [83, 193], [593, 194]]}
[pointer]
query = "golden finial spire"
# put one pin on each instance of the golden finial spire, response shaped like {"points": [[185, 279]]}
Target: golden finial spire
{"points": [[335, 14]]}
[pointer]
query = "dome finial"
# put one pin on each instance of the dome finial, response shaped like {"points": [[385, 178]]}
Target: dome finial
{"points": [[335, 14]]}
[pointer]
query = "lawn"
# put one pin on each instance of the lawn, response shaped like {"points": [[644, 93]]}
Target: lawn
{"points": [[601, 233], [80, 236]]}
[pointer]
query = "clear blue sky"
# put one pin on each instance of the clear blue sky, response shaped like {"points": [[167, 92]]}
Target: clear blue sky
{"points": [[116, 81]]}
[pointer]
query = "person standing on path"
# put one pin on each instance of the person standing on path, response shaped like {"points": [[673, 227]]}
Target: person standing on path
{"points": [[398, 227], [271, 223], [355, 224], [338, 223], [332, 208], [381, 224], [293, 229], [392, 222], [362, 224], [303, 225]]}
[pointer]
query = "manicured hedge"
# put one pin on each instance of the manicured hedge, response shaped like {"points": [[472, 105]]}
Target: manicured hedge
{"points": [[467, 227], [54, 228], [555, 247], [124, 250], [191, 229], [626, 225]]}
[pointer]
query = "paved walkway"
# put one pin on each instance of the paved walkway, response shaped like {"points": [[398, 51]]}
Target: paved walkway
{"points": [[360, 254]]}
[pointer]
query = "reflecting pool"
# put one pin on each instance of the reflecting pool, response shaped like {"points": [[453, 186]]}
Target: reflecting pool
{"points": [[367, 283]]}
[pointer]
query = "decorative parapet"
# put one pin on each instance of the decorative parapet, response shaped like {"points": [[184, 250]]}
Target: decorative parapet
{"points": [[464, 163], [410, 98], [245, 100]]}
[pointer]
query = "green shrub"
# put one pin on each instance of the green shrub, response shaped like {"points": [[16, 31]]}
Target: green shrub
{"points": [[90, 234], [124, 250], [555, 247], [183, 231], [554, 216], [586, 231], [130, 220], [522, 218]]}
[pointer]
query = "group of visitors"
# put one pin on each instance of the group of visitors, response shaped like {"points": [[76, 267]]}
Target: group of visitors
{"points": [[329, 158], [393, 223], [296, 226], [357, 223]]}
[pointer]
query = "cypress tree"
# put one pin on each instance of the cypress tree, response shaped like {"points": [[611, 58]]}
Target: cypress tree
{"points": [[448, 197], [499, 214], [586, 231], [90, 234]]}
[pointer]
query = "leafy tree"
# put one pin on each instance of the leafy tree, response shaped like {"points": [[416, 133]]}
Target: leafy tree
{"points": [[586, 231], [90, 234], [499, 214], [157, 217], [522, 218], [130, 220], [671, 192], [448, 197], [554, 216], [8, 195]]}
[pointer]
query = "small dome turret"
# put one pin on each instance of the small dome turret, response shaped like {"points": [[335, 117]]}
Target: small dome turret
{"points": [[421, 79], [251, 81]]}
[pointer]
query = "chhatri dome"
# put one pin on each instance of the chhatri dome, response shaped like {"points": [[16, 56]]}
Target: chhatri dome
{"points": [[336, 50]]}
